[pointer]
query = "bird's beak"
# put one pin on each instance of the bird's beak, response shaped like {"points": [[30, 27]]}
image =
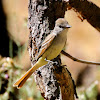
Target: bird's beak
{"points": [[68, 26]]}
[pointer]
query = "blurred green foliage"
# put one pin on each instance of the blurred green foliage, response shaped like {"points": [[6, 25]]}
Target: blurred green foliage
{"points": [[89, 93], [9, 73]]}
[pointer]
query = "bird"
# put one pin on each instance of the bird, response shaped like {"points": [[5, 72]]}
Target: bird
{"points": [[50, 49]]}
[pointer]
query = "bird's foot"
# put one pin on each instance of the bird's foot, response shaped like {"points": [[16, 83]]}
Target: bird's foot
{"points": [[51, 61]]}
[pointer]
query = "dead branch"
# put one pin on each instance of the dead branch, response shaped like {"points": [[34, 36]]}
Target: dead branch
{"points": [[88, 11], [79, 60]]}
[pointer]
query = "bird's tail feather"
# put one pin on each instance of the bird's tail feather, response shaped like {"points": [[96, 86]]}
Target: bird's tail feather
{"points": [[23, 79]]}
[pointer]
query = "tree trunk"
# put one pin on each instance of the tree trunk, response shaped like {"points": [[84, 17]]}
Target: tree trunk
{"points": [[54, 82]]}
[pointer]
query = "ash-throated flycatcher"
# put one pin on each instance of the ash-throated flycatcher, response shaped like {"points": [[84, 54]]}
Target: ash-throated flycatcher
{"points": [[50, 49]]}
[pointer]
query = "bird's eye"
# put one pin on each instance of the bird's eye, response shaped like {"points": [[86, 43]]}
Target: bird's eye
{"points": [[61, 26]]}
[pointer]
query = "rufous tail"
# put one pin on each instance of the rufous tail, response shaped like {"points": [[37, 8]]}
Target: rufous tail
{"points": [[23, 79]]}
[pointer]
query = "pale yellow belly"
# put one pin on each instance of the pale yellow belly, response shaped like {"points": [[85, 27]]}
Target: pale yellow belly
{"points": [[57, 45]]}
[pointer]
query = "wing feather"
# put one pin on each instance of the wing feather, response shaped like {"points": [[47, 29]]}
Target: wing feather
{"points": [[46, 43]]}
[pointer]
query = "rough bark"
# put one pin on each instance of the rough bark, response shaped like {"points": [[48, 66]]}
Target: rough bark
{"points": [[88, 11], [54, 81]]}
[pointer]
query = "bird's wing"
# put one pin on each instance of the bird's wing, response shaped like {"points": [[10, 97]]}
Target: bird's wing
{"points": [[46, 43]]}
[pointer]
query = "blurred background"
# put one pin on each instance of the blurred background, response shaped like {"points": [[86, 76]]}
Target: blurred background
{"points": [[83, 42]]}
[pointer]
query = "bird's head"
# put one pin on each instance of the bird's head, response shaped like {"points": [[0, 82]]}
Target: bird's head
{"points": [[62, 23]]}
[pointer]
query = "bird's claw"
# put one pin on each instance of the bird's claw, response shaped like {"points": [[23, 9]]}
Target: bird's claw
{"points": [[51, 61]]}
